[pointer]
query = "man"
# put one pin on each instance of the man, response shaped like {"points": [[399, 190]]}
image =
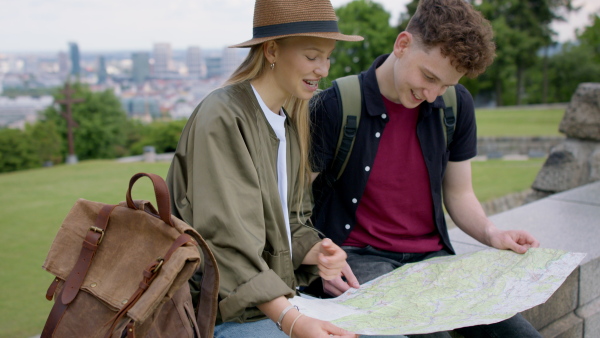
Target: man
{"points": [[386, 208]]}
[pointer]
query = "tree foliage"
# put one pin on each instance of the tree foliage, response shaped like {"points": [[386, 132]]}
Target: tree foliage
{"points": [[17, 152], [46, 141], [101, 123], [369, 20]]}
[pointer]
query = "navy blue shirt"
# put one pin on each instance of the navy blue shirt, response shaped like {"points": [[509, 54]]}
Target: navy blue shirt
{"points": [[335, 207]]}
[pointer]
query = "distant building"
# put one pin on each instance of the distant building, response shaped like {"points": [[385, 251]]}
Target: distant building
{"points": [[75, 59], [230, 61], [63, 64], [194, 63], [101, 73], [140, 69], [15, 113], [213, 67], [162, 60], [142, 108]]}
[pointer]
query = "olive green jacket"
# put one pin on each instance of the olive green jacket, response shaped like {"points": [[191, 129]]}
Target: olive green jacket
{"points": [[223, 182]]}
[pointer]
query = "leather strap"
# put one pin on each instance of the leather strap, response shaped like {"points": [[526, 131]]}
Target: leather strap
{"points": [[160, 191], [77, 275], [56, 314], [208, 304], [149, 274], [52, 289], [88, 250]]}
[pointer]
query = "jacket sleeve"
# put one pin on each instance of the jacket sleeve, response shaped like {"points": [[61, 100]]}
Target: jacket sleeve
{"points": [[213, 174], [304, 237]]}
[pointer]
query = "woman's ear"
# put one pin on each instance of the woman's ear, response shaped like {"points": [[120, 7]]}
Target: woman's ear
{"points": [[403, 42], [270, 50]]}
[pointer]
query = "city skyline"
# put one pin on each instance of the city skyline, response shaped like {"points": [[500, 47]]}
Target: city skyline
{"points": [[111, 25]]}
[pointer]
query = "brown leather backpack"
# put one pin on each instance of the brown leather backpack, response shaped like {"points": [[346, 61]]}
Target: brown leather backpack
{"points": [[124, 269]]}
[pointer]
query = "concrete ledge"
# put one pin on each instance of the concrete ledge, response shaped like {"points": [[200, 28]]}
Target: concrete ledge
{"points": [[590, 313], [570, 326], [567, 221]]}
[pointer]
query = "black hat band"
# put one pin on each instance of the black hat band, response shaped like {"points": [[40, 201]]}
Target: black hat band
{"points": [[295, 28]]}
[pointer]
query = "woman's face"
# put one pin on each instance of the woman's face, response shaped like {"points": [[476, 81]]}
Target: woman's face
{"points": [[300, 62]]}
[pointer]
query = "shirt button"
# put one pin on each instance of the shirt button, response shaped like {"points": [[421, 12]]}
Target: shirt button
{"points": [[377, 134], [347, 226], [354, 200], [367, 168]]}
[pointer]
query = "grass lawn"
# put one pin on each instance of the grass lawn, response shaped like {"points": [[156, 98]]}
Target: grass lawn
{"points": [[519, 121], [497, 178], [34, 203]]}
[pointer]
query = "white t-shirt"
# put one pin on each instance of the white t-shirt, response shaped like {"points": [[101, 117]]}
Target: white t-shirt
{"points": [[277, 122]]}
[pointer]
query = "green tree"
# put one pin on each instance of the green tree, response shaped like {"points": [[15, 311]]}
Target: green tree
{"points": [[369, 20], [16, 151], [101, 123], [522, 28], [46, 140], [591, 37], [163, 136]]}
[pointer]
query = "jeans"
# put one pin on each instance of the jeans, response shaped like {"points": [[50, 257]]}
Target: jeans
{"points": [[259, 329], [368, 263]]}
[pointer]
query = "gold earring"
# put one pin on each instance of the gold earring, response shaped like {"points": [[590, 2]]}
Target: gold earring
{"points": [[272, 65]]}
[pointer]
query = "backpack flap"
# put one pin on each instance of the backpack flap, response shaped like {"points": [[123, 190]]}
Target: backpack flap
{"points": [[119, 262]]}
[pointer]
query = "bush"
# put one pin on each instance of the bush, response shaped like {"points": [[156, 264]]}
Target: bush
{"points": [[17, 152]]}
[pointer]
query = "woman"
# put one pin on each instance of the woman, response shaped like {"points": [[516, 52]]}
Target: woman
{"points": [[241, 171]]}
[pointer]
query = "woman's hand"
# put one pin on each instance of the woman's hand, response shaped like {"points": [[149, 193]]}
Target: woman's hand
{"points": [[311, 327], [331, 260]]}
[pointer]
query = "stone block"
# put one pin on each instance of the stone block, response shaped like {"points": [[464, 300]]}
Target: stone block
{"points": [[582, 116], [569, 326], [590, 313], [562, 170], [589, 280], [561, 303]]}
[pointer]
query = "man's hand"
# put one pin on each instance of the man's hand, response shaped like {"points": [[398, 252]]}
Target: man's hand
{"points": [[518, 241], [338, 285]]}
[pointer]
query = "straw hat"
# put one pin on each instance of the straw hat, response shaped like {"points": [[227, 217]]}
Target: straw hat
{"points": [[274, 19]]}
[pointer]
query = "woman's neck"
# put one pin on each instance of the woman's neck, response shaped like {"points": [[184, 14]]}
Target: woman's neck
{"points": [[270, 93]]}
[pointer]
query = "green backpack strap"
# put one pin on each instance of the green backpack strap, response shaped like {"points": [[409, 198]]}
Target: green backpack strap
{"points": [[350, 96], [449, 114]]}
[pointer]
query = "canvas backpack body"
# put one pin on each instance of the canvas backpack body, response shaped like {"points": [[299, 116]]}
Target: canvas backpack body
{"points": [[122, 270]]}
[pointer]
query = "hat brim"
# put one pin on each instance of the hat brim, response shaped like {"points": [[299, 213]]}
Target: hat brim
{"points": [[326, 35]]}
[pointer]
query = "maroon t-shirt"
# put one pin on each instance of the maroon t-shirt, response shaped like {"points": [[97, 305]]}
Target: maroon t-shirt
{"points": [[395, 212]]}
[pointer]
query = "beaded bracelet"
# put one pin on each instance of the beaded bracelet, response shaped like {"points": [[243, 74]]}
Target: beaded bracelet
{"points": [[278, 323], [294, 322]]}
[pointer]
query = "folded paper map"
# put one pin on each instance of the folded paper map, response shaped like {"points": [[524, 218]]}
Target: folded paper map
{"points": [[445, 293]]}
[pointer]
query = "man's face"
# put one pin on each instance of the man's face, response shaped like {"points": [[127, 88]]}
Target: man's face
{"points": [[420, 74]]}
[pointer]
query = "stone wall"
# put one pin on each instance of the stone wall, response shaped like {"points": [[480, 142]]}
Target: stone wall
{"points": [[496, 147]]}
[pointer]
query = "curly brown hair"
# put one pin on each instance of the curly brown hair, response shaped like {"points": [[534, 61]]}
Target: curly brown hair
{"points": [[461, 32]]}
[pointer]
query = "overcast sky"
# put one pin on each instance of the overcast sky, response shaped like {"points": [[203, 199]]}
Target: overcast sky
{"points": [[109, 25]]}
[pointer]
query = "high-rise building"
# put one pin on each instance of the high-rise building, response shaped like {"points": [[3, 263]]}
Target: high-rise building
{"points": [[75, 59], [102, 75], [63, 64], [230, 60], [214, 66], [162, 60], [140, 70], [194, 63]]}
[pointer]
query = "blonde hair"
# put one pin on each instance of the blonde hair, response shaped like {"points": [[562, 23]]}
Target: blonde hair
{"points": [[253, 67]]}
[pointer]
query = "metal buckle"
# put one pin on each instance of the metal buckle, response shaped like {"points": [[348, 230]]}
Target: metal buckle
{"points": [[98, 230], [160, 263]]}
